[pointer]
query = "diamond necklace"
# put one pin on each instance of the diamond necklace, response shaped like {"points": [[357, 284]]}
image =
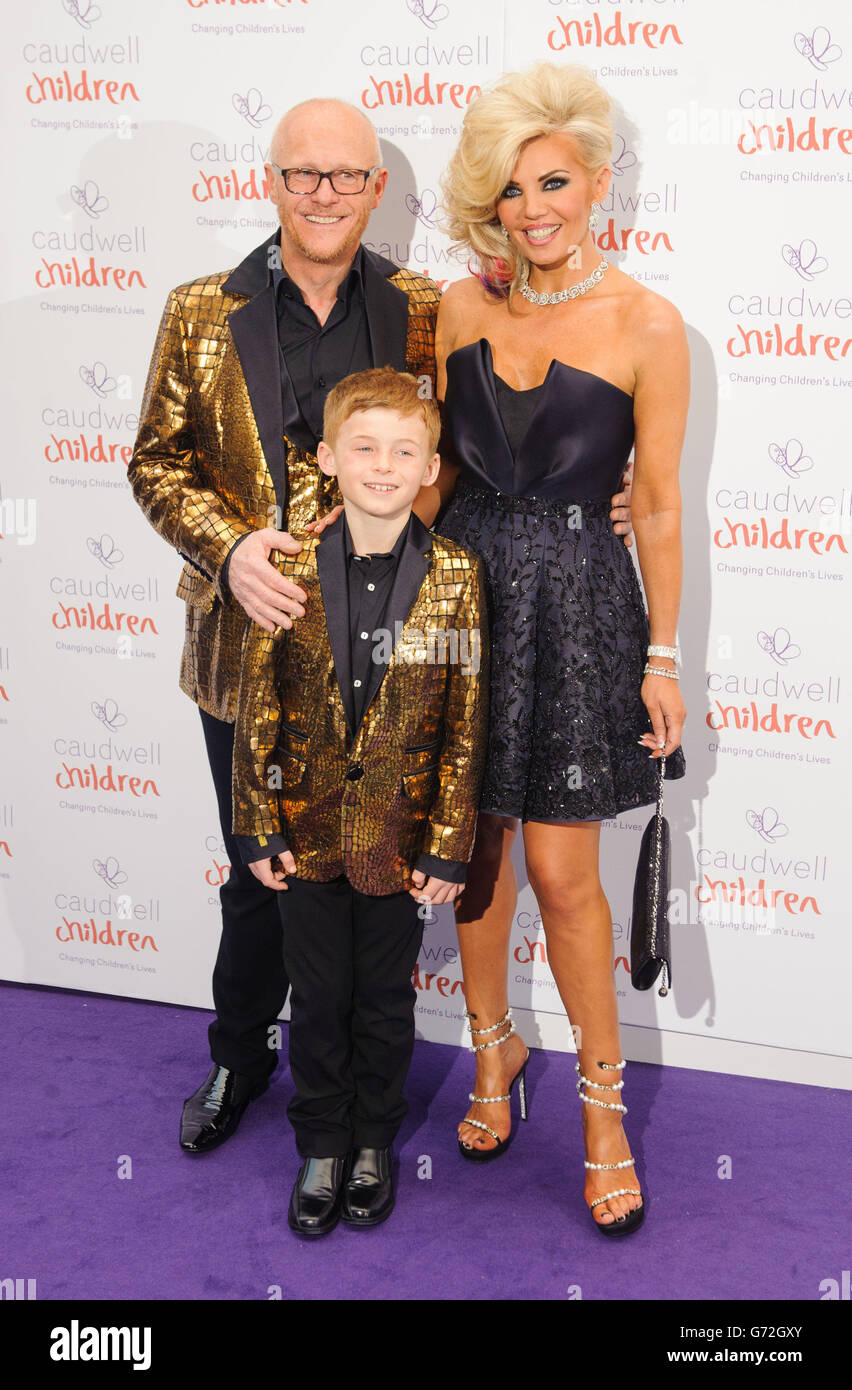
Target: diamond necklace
{"points": [[562, 295]]}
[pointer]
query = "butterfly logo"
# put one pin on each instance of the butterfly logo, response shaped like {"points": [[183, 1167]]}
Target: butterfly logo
{"points": [[90, 198], [108, 714], [104, 550], [817, 48], [424, 207], [110, 871], [84, 15], [624, 158], [790, 458], [777, 644], [804, 259], [430, 17], [98, 379], [768, 824], [252, 107]]}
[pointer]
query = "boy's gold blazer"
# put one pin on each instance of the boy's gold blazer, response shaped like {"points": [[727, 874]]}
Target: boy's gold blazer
{"points": [[211, 462], [367, 802]]}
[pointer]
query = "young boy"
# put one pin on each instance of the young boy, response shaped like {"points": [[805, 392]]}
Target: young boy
{"points": [[358, 755]]}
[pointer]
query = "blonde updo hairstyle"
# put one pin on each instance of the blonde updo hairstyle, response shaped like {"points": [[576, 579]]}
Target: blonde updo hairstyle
{"points": [[521, 106]]}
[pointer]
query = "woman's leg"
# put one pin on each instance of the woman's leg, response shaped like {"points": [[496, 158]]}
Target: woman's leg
{"points": [[484, 917], [562, 864]]}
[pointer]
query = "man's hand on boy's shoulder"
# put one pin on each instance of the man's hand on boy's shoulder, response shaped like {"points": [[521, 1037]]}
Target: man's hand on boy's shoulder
{"points": [[272, 873], [433, 890]]}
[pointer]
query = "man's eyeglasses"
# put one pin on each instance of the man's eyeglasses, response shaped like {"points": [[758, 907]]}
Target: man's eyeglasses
{"points": [[343, 181]]}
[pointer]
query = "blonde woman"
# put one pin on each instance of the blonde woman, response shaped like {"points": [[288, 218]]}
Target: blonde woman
{"points": [[553, 364]]}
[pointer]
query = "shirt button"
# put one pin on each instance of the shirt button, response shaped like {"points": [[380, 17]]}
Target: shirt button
{"points": [[371, 587], [356, 684], [320, 381], [364, 636]]}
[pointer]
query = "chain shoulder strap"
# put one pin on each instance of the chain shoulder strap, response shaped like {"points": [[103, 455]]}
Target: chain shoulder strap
{"points": [[658, 852]]}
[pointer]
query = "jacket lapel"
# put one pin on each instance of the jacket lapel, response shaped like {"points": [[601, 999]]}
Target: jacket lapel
{"points": [[387, 312], [331, 568], [254, 331], [410, 572]]}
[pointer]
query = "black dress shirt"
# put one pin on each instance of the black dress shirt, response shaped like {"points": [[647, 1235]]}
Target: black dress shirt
{"points": [[369, 583], [370, 579], [316, 355], [319, 355]]}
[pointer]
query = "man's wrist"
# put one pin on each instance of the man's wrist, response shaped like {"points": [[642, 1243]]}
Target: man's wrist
{"points": [[227, 562]]}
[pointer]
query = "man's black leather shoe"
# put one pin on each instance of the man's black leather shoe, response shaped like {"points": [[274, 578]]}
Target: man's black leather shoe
{"points": [[369, 1197], [317, 1195], [211, 1115]]}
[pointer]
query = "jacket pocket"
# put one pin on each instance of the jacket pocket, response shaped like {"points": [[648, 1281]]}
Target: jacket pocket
{"points": [[419, 787], [196, 589], [291, 769]]}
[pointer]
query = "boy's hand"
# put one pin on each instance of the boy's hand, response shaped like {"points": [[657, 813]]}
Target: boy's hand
{"points": [[620, 513], [318, 526], [271, 873], [433, 890]]}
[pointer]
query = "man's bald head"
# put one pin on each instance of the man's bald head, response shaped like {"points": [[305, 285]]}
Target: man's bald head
{"points": [[339, 125], [324, 227]]}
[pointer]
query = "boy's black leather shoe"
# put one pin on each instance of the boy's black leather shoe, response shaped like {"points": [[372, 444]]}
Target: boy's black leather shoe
{"points": [[317, 1196], [369, 1196]]}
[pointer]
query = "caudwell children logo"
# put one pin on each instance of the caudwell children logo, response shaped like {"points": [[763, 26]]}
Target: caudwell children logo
{"points": [[796, 134], [84, 12], [429, 12], [92, 762], [98, 379], [91, 916], [105, 550], [251, 107], [779, 646], [90, 198], [817, 48], [791, 458], [767, 824], [804, 259]]}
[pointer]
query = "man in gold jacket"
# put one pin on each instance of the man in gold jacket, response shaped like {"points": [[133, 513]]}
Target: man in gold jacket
{"points": [[225, 459]]}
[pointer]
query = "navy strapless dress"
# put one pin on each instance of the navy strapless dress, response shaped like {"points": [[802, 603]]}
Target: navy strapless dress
{"points": [[569, 633]]}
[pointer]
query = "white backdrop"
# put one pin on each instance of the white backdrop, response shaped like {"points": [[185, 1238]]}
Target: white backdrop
{"points": [[133, 143]]}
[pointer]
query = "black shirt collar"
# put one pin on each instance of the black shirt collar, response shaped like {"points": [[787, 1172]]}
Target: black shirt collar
{"points": [[381, 555], [353, 280]]}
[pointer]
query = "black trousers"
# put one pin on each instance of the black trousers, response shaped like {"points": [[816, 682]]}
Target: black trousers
{"points": [[249, 979], [350, 959]]}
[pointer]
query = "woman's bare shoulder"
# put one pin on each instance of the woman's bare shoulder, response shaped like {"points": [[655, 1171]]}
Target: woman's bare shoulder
{"points": [[462, 296], [649, 312], [462, 304]]}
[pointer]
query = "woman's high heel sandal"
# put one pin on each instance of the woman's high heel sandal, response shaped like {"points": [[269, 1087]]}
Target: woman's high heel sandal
{"points": [[485, 1155], [633, 1219]]}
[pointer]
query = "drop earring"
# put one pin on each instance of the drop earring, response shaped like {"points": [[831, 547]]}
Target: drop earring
{"points": [[593, 217]]}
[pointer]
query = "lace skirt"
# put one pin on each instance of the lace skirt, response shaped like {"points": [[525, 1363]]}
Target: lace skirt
{"points": [[569, 638]]}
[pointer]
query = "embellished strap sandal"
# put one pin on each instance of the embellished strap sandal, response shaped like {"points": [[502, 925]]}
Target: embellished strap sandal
{"points": [[633, 1220], [485, 1155]]}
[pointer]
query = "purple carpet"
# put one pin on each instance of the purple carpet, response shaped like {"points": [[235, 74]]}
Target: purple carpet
{"points": [[94, 1080]]}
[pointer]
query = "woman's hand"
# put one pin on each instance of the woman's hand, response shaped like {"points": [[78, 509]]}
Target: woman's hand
{"points": [[318, 526], [667, 712]]}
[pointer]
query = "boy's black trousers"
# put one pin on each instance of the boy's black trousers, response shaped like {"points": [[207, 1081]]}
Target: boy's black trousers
{"points": [[350, 959]]}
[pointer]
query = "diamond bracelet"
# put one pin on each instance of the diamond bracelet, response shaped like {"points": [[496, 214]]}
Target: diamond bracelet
{"points": [[658, 671]]}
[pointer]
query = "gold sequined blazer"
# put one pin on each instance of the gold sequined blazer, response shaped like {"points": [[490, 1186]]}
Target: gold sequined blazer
{"points": [[367, 801], [211, 461]]}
